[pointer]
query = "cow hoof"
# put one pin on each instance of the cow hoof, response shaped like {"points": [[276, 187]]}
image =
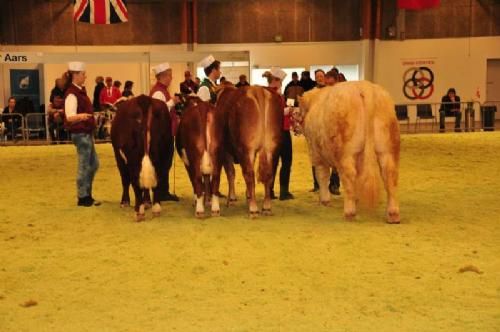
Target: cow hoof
{"points": [[124, 204], [254, 214], [267, 212], [216, 213], [325, 203], [156, 214], [200, 215], [147, 205], [140, 217], [393, 218], [349, 216]]}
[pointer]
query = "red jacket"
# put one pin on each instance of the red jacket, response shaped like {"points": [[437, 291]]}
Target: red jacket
{"points": [[174, 119], [109, 95], [84, 106]]}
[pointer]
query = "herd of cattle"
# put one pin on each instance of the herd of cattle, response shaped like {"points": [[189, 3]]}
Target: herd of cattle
{"points": [[351, 127]]}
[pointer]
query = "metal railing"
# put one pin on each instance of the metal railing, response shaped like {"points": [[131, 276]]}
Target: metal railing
{"points": [[44, 128]]}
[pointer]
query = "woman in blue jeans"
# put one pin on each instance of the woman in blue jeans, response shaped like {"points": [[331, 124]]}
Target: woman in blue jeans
{"points": [[81, 124]]}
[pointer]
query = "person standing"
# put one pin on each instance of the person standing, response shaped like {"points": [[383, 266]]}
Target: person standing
{"points": [[127, 89], [81, 124], [109, 94], [188, 86], [99, 81], [242, 81], [306, 82], [211, 67], [275, 77], [163, 74]]}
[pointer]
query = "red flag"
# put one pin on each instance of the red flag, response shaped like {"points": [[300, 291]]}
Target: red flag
{"points": [[417, 4]]}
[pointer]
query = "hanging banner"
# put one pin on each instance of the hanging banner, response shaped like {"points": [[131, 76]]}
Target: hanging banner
{"points": [[418, 78]]}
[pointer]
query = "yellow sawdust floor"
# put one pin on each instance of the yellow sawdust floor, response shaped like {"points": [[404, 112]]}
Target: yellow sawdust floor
{"points": [[305, 269]]}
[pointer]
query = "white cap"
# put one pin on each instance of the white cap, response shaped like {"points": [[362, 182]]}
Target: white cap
{"points": [[76, 66], [207, 61], [278, 73], [161, 68]]}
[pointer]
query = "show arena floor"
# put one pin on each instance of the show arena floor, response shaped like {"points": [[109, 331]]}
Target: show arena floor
{"points": [[65, 268]]}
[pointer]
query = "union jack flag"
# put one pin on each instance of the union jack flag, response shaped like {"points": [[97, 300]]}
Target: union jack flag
{"points": [[100, 11]]}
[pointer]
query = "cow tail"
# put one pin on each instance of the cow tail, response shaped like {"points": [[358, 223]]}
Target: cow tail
{"points": [[147, 176], [265, 168], [368, 181], [206, 160]]}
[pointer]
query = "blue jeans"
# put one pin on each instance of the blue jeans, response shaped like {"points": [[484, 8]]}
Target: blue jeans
{"points": [[88, 163]]}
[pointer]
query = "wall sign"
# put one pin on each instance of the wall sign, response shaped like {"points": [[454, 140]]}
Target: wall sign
{"points": [[18, 57], [418, 78]]}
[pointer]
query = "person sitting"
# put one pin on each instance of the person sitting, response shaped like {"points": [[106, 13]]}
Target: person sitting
{"points": [[109, 94], [450, 107], [12, 122], [188, 87], [127, 89], [242, 81]]}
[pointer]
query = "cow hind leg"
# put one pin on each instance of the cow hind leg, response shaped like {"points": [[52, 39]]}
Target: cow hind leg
{"points": [[389, 170], [231, 175], [198, 192], [147, 199], [322, 173], [140, 211], [125, 177], [215, 184], [247, 165], [266, 174], [348, 177]]}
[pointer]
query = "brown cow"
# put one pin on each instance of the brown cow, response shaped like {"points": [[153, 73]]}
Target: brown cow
{"points": [[352, 127], [199, 144], [252, 127], [140, 134]]}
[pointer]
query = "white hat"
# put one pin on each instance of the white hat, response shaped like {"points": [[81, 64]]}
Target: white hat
{"points": [[278, 73], [76, 66], [161, 68], [207, 61]]}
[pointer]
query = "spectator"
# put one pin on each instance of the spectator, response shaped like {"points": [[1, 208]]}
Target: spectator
{"points": [[55, 112], [306, 82], [331, 78], [127, 89], [275, 78], [117, 84], [58, 90], [109, 94], [197, 80], [99, 81], [188, 87], [11, 122], [293, 89], [243, 81], [335, 70], [342, 78], [222, 80], [319, 75], [321, 82], [450, 107]]}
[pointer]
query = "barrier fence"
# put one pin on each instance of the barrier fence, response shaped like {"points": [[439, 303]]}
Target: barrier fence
{"points": [[45, 128]]}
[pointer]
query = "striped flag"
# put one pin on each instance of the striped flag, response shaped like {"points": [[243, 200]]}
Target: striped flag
{"points": [[100, 11], [417, 4]]}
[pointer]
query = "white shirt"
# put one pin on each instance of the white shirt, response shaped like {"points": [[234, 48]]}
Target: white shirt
{"points": [[160, 96], [71, 103], [204, 92]]}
